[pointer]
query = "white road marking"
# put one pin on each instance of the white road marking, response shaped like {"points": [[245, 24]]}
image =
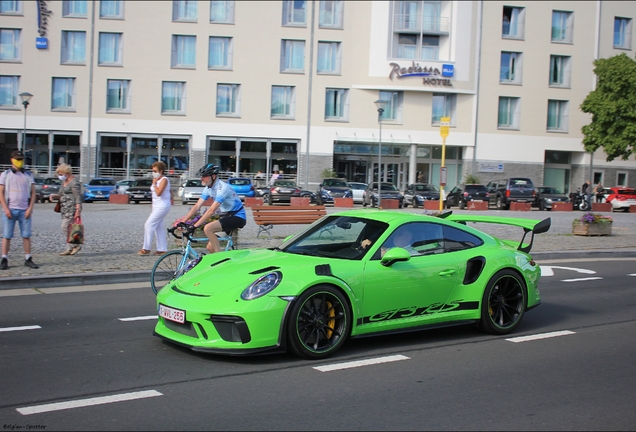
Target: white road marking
{"points": [[139, 318], [547, 270], [581, 279], [633, 274], [359, 363], [8, 329], [540, 336], [87, 402]]}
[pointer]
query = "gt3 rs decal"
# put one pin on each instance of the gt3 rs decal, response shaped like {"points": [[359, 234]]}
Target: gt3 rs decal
{"points": [[457, 305]]}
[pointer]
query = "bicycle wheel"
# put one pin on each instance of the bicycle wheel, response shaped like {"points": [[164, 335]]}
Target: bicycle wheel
{"points": [[165, 269]]}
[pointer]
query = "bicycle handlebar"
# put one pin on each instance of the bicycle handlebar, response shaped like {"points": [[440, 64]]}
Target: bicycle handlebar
{"points": [[181, 227]]}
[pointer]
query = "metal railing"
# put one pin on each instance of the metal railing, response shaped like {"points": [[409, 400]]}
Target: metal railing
{"points": [[421, 24]]}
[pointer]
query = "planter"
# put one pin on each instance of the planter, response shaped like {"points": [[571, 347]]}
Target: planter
{"points": [[387, 203], [588, 229], [561, 206], [431, 205], [632, 208], [602, 207], [298, 201], [252, 201], [343, 202], [517, 206], [477, 205], [118, 199]]}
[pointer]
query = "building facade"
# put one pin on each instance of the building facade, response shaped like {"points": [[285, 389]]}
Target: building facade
{"points": [[291, 86]]}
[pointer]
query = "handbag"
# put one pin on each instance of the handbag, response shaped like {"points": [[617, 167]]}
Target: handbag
{"points": [[76, 232], [58, 207]]}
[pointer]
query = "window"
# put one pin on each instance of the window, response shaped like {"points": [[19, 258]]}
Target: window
{"points": [[222, 12], [407, 46], [10, 7], [393, 107], [283, 102], [111, 9], [183, 51], [292, 56], [173, 97], [118, 96], [184, 10], [330, 14], [337, 104], [558, 115], [110, 49], [562, 26], [510, 70], [63, 97], [228, 99], [443, 106], [73, 47], [513, 22], [220, 53], [560, 71], [10, 45], [621, 178], [329, 57], [8, 91], [294, 12], [508, 116], [74, 8], [622, 33], [430, 47]]}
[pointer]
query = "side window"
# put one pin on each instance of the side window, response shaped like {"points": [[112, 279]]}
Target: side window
{"points": [[417, 238], [456, 239]]}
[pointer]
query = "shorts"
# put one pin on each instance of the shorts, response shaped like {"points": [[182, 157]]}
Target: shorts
{"points": [[230, 223], [8, 225]]}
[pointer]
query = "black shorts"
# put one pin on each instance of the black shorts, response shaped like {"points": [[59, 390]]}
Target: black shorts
{"points": [[230, 223]]}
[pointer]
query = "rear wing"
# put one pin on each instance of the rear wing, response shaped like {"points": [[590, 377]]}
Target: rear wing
{"points": [[529, 225]]}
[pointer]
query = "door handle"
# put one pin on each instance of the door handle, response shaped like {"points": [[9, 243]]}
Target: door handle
{"points": [[449, 272]]}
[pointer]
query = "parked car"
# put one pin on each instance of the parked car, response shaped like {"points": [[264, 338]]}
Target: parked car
{"points": [[282, 191], [415, 194], [545, 196], [140, 191], [332, 188], [515, 189], [462, 194], [122, 186], [190, 191], [389, 191], [321, 287], [242, 186], [45, 187], [621, 198], [357, 190], [99, 189]]}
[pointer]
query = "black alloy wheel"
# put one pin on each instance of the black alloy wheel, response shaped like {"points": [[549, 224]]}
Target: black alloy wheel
{"points": [[503, 303]]}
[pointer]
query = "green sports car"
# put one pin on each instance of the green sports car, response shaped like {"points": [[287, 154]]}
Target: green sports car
{"points": [[353, 273]]}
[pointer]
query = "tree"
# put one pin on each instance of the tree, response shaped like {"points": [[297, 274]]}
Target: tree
{"points": [[613, 108]]}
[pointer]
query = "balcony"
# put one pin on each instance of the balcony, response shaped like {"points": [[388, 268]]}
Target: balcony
{"points": [[409, 23]]}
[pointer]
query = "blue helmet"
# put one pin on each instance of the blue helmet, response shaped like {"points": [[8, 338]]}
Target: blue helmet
{"points": [[208, 170]]}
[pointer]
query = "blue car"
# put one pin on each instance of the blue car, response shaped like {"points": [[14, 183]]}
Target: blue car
{"points": [[242, 186], [99, 189]]}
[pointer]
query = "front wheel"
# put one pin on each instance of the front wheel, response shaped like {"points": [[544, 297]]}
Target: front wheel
{"points": [[584, 206], [165, 270], [319, 322], [500, 205], [503, 303]]}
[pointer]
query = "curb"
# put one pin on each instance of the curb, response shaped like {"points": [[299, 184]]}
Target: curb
{"points": [[67, 280]]}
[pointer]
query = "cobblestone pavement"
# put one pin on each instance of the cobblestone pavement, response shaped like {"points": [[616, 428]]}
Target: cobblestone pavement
{"points": [[114, 234]]}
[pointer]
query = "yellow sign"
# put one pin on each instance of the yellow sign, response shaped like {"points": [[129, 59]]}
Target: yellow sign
{"points": [[444, 126]]}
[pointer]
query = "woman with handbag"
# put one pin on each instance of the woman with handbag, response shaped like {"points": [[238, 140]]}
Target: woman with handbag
{"points": [[70, 200]]}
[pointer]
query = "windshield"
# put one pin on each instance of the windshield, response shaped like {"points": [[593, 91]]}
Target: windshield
{"points": [[335, 183], [429, 188], [193, 183], [240, 182], [385, 187], [336, 237], [550, 190], [284, 183], [145, 182], [102, 182]]}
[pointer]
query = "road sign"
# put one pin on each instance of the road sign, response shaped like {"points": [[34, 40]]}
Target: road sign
{"points": [[444, 126]]}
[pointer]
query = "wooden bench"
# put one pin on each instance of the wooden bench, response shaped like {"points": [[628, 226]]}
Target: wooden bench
{"points": [[268, 216]]}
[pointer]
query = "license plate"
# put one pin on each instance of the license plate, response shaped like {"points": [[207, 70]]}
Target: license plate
{"points": [[171, 314], [138, 196], [522, 201]]}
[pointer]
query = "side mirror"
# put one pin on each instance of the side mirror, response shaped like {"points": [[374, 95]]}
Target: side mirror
{"points": [[394, 255]]}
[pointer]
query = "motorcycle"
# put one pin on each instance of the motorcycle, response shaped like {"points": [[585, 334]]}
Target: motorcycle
{"points": [[579, 200]]}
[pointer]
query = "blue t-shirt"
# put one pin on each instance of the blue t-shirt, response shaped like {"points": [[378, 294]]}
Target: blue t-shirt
{"points": [[222, 193]]}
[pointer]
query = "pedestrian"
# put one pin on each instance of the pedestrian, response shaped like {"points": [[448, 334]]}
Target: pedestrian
{"points": [[17, 196], [584, 187], [161, 202], [598, 191], [273, 178], [70, 197], [232, 212]]}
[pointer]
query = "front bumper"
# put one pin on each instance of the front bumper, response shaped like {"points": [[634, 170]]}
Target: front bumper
{"points": [[94, 196]]}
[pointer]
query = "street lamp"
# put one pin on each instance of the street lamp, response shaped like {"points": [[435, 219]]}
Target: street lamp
{"points": [[380, 104], [26, 97]]}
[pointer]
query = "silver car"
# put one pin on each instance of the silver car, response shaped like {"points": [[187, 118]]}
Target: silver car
{"points": [[122, 186], [190, 191], [358, 191]]}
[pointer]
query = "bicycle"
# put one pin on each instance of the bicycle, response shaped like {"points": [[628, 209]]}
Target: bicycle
{"points": [[176, 263]]}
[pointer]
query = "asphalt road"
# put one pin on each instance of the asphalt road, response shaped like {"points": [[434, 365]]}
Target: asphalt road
{"points": [[95, 345]]}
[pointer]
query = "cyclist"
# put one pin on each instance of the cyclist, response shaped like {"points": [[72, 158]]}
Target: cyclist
{"points": [[228, 204]]}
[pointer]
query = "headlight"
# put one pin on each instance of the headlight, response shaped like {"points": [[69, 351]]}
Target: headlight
{"points": [[548, 200], [262, 286], [188, 194]]}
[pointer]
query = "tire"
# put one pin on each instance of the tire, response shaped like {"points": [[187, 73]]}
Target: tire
{"points": [[584, 206], [499, 204], [462, 205], [541, 205], [407, 204], [88, 202], [503, 303], [269, 200], [165, 270], [319, 322]]}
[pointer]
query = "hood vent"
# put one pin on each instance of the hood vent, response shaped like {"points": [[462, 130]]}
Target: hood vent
{"points": [[265, 270]]}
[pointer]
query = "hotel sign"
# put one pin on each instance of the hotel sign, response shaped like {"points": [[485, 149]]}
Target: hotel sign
{"points": [[430, 75], [43, 16]]}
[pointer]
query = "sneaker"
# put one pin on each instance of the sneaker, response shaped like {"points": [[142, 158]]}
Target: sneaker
{"points": [[76, 249], [29, 263], [4, 264]]}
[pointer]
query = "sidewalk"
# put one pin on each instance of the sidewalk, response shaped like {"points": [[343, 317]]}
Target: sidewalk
{"points": [[114, 234]]}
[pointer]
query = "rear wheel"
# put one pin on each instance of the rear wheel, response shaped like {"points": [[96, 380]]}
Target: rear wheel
{"points": [[541, 205], [500, 204], [165, 270], [503, 303], [462, 205], [319, 322]]}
